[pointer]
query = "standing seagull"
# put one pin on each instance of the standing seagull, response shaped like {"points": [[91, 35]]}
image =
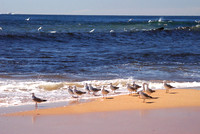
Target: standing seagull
{"points": [[113, 88], [148, 90], [86, 87], [37, 100], [94, 90], [144, 96], [78, 92], [167, 87], [70, 91], [135, 85], [104, 91], [131, 89]]}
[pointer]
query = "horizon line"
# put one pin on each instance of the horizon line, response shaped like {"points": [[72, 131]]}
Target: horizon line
{"points": [[12, 13]]}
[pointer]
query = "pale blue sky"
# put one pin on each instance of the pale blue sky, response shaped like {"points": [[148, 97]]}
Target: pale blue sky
{"points": [[102, 7]]}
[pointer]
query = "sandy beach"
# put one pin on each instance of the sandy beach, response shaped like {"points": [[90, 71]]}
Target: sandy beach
{"points": [[174, 99], [176, 112]]}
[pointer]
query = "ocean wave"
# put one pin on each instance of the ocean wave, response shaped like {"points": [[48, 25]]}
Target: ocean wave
{"points": [[66, 36], [18, 92]]}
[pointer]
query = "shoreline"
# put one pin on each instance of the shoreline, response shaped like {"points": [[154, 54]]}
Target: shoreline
{"points": [[176, 98]]}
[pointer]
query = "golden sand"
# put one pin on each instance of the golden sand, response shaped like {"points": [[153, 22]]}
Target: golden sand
{"points": [[175, 98]]}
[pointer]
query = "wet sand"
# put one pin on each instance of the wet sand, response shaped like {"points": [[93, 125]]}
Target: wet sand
{"points": [[156, 121], [174, 99]]}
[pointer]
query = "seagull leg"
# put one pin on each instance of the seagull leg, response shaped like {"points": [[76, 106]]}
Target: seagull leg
{"points": [[36, 106]]}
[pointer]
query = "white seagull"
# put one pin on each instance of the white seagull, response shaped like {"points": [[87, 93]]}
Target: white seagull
{"points": [[39, 28], [91, 30], [112, 31], [27, 19], [130, 20]]}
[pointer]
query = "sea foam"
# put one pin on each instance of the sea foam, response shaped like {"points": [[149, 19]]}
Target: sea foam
{"points": [[18, 92]]}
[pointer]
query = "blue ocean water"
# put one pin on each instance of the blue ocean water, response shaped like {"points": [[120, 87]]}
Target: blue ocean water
{"points": [[58, 48], [118, 47]]}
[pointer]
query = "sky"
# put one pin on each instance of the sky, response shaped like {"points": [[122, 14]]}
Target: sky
{"points": [[102, 7]]}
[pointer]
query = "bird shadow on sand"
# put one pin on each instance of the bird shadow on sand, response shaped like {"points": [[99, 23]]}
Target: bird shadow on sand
{"points": [[134, 95], [155, 97], [96, 94], [109, 98], [149, 102], [118, 92], [172, 92]]}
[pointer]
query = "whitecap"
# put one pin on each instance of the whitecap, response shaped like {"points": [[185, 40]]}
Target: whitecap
{"points": [[52, 31]]}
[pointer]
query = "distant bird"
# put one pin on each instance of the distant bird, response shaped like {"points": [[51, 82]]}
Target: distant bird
{"points": [[94, 90], [1, 28], [112, 31], [144, 96], [91, 31], [40, 28], [37, 100], [104, 91], [148, 90], [131, 89], [78, 92], [167, 87], [86, 87], [130, 20], [27, 19], [113, 88]]}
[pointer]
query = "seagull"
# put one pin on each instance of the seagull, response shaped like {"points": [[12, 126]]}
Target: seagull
{"points": [[78, 92], [112, 31], [148, 90], [94, 90], [1, 28], [86, 87], [104, 91], [136, 86], [144, 96], [130, 20], [39, 28], [167, 87], [113, 88], [37, 100], [91, 30], [70, 91], [131, 89], [27, 19]]}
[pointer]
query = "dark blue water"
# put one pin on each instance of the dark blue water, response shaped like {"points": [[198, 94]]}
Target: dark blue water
{"points": [[140, 47]]}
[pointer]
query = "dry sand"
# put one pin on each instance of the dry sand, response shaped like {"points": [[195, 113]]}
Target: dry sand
{"points": [[176, 98]]}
